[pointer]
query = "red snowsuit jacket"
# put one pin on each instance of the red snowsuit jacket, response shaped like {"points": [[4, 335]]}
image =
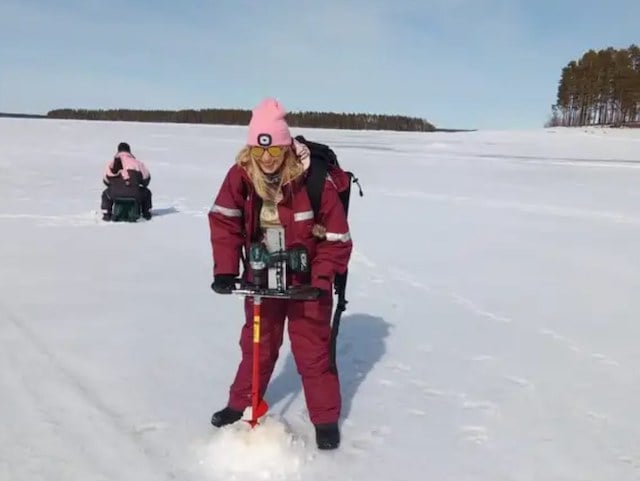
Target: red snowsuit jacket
{"points": [[234, 222]]}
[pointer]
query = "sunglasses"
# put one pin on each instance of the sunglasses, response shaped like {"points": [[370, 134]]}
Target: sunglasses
{"points": [[274, 151]]}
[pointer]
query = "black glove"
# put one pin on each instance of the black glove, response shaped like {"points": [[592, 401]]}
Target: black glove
{"points": [[307, 292], [323, 285], [224, 283]]}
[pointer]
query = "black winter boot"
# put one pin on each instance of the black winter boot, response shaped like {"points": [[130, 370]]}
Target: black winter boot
{"points": [[327, 436], [225, 416]]}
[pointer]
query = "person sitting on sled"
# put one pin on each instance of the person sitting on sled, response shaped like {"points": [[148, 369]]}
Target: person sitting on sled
{"points": [[265, 189], [126, 176]]}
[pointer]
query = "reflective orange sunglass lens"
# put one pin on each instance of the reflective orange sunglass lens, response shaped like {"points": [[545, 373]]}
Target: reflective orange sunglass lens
{"points": [[274, 151]]}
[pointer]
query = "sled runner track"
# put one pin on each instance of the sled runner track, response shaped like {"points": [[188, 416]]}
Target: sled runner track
{"points": [[53, 361], [540, 209], [80, 390], [434, 152], [477, 310], [474, 308], [589, 414], [563, 160]]}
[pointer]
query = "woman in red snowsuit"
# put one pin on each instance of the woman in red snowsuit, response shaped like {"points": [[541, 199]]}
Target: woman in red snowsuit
{"points": [[266, 188]]}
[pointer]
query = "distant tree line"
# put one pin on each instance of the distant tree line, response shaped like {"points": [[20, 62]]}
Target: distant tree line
{"points": [[21, 116], [601, 88], [331, 120]]}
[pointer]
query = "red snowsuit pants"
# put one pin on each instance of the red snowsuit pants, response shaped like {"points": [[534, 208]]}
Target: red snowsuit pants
{"points": [[309, 326]]}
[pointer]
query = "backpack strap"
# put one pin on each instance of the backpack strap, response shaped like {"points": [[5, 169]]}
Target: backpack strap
{"points": [[315, 183], [320, 158], [340, 288], [318, 169]]}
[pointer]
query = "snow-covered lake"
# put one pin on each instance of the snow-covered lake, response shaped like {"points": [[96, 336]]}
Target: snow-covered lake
{"points": [[492, 330]]}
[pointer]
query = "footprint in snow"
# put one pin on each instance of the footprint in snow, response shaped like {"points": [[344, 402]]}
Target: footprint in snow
{"points": [[475, 434]]}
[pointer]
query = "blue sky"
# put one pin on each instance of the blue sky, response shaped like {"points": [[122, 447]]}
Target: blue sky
{"points": [[457, 63]]}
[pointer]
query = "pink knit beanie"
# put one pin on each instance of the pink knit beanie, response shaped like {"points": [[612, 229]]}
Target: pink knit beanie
{"points": [[268, 126]]}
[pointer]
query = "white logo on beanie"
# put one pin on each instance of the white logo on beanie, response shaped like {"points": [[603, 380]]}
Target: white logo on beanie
{"points": [[264, 140]]}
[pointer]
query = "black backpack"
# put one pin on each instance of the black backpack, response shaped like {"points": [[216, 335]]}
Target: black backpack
{"points": [[324, 162]]}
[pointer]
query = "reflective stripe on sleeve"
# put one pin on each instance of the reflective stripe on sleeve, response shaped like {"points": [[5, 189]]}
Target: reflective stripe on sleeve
{"points": [[300, 216], [226, 211]]}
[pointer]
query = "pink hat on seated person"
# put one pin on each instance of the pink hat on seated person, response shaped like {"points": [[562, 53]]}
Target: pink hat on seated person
{"points": [[268, 125]]}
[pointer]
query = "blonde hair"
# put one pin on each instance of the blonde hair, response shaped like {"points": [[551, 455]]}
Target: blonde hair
{"points": [[290, 169]]}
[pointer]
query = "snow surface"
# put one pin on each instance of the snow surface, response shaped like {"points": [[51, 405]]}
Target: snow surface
{"points": [[492, 332]]}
